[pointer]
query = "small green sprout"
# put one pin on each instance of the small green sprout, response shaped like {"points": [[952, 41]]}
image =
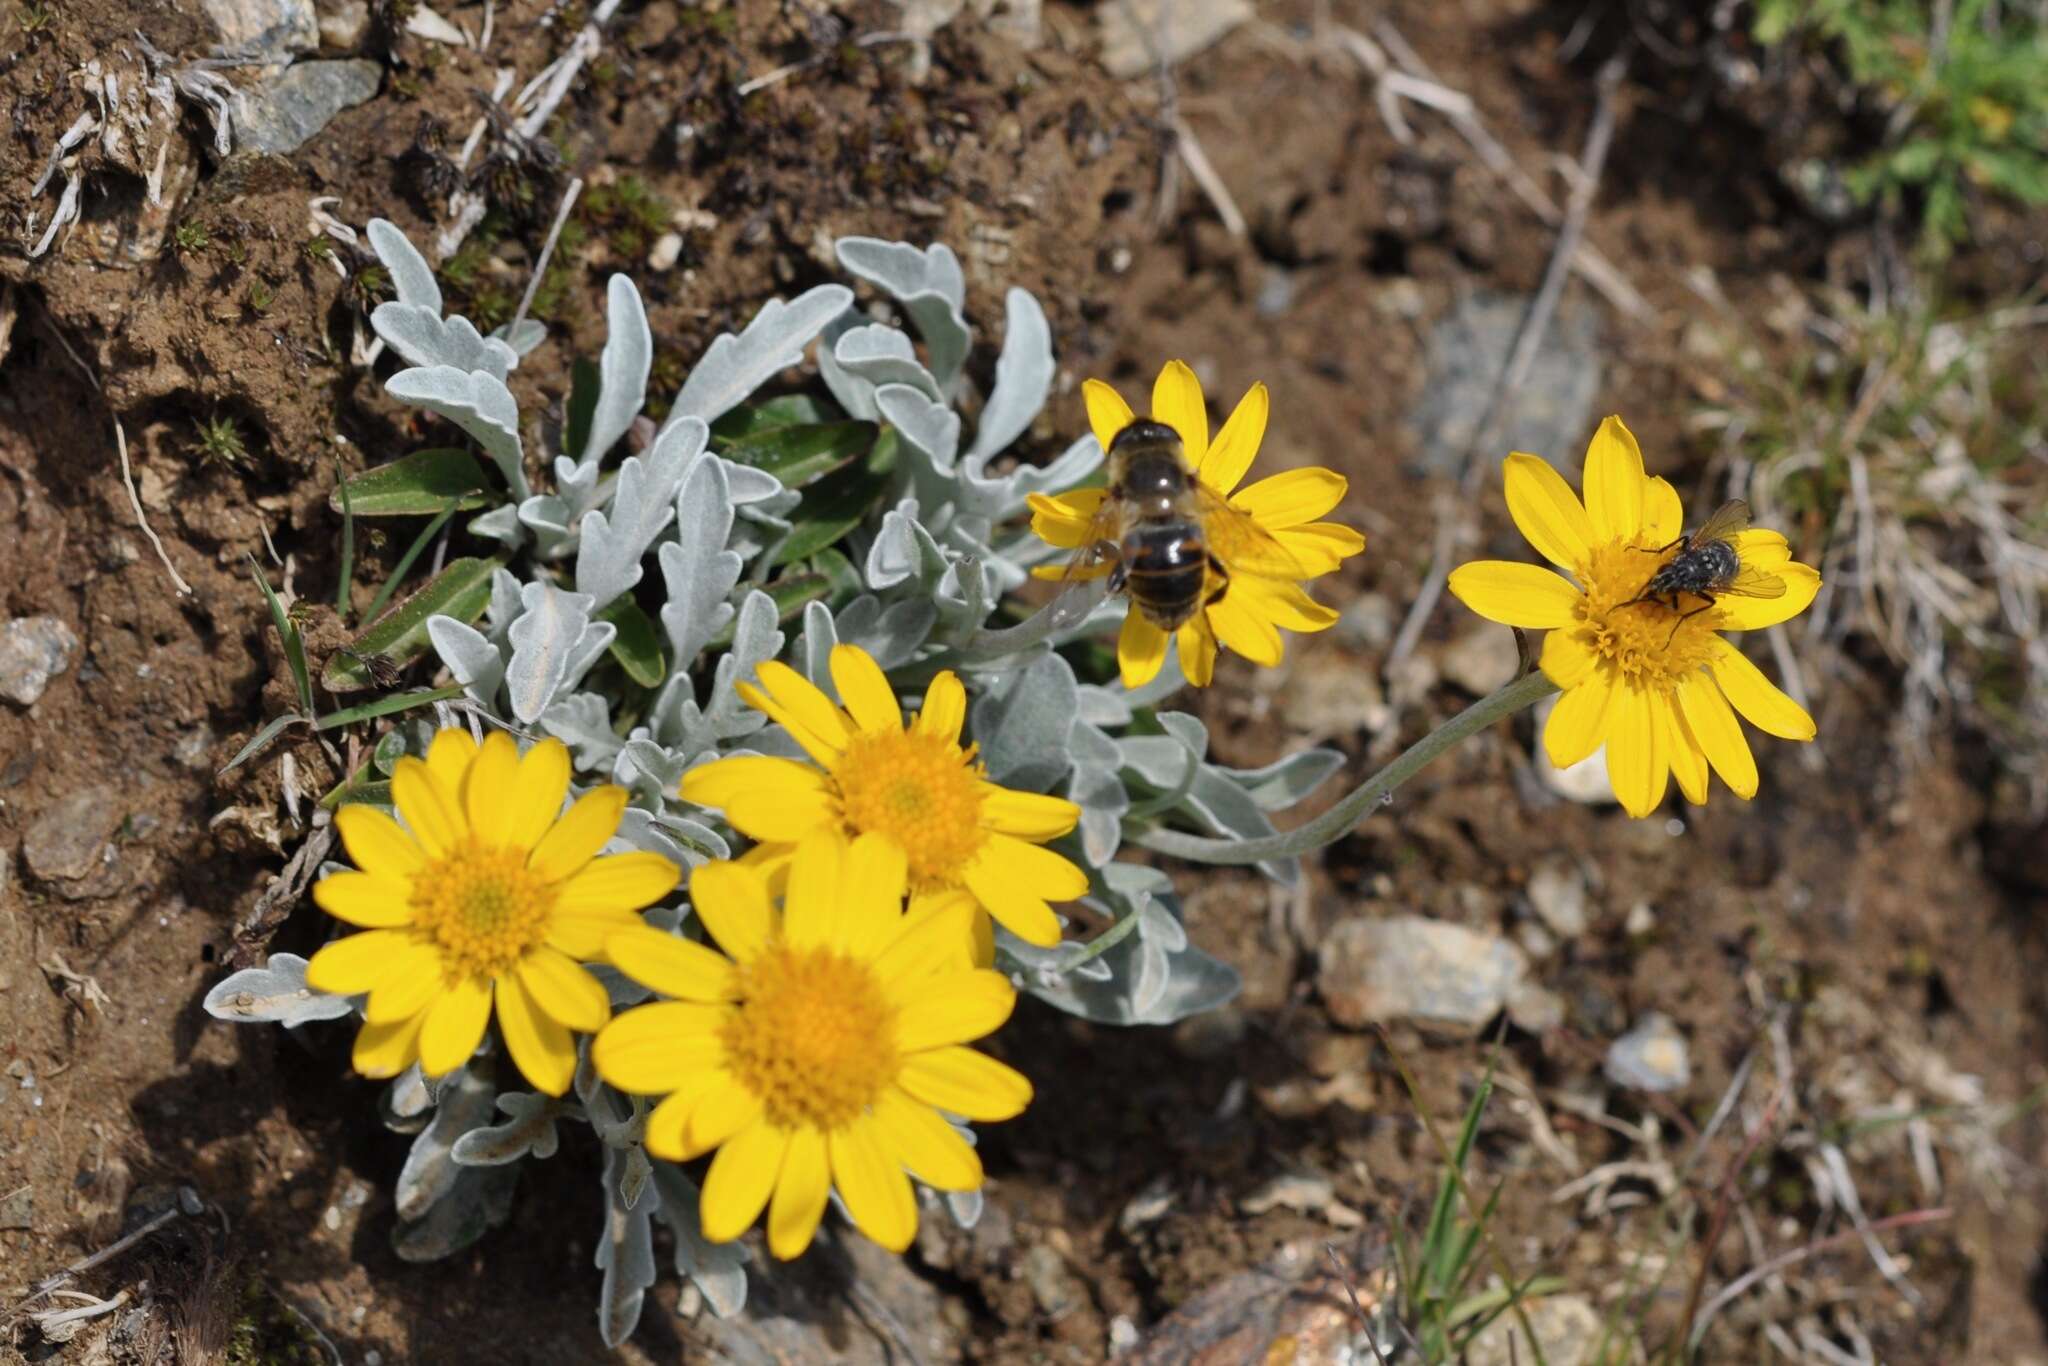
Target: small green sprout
{"points": [[220, 442], [260, 296], [190, 238]]}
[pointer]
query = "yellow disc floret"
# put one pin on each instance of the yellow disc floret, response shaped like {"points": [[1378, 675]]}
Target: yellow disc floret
{"points": [[1646, 642], [811, 1038], [921, 790], [482, 908]]}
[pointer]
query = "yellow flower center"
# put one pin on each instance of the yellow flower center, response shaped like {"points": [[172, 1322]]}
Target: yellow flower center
{"points": [[1647, 642], [482, 908], [813, 1038], [922, 791]]}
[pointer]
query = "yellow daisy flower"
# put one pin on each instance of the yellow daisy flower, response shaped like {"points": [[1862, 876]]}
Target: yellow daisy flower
{"points": [[916, 786], [483, 896], [1283, 508], [818, 1049], [1652, 684]]}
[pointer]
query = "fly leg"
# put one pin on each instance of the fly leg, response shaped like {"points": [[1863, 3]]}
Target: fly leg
{"points": [[1706, 601]]}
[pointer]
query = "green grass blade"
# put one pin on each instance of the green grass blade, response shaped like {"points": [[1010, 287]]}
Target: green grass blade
{"points": [[385, 706], [405, 562], [348, 548], [261, 738], [288, 635]]}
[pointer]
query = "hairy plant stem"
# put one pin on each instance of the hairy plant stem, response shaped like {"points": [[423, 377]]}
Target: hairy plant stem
{"points": [[1338, 821]]}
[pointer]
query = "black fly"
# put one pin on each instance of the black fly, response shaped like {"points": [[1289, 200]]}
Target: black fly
{"points": [[1707, 565]]}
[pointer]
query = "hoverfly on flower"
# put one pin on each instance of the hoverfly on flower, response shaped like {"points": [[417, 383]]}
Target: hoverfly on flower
{"points": [[1706, 565]]}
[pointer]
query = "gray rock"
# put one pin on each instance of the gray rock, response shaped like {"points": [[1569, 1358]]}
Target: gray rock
{"points": [[33, 650], [1567, 1327], [1651, 1057], [1057, 1289], [1468, 351], [1406, 967], [284, 113], [1537, 1009], [1482, 659], [1557, 893], [1133, 36], [18, 1209], [272, 28], [66, 841], [344, 24]]}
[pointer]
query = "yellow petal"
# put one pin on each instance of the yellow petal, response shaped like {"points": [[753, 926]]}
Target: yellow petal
{"points": [[783, 815], [719, 782], [1319, 547], [581, 935], [455, 1026], [963, 1082], [743, 1174], [1663, 513], [931, 1148], [449, 755], [810, 906], [722, 1113], [667, 1121], [1688, 764], [1027, 815], [407, 982], [564, 990], [1284, 604], [1291, 498], [1020, 910], [1615, 483], [352, 965], [1756, 697], [1637, 766], [1713, 724], [1546, 511], [1108, 414], [377, 843], [1579, 722], [575, 839], [871, 1183], [1802, 582], [1177, 401], [1761, 547], [1049, 874], [945, 707], [1237, 445], [1567, 658], [538, 790], [543, 1050], [953, 1009], [1065, 520], [732, 901], [1140, 650], [656, 1048], [430, 811], [487, 790], [1515, 594], [681, 968], [871, 899], [800, 1194], [865, 690], [1196, 643], [617, 882], [1237, 622], [935, 938], [374, 903], [386, 1050]]}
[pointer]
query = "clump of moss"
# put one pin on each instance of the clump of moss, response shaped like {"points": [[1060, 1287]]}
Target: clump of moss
{"points": [[628, 214]]}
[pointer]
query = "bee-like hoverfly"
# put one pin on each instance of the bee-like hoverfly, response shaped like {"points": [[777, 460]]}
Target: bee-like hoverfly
{"points": [[1706, 566]]}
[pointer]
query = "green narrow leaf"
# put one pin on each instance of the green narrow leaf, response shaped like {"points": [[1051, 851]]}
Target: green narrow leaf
{"points": [[348, 548], [837, 504], [804, 453], [384, 706], [400, 636], [840, 573], [288, 636], [754, 418], [416, 485], [584, 382], [637, 646], [404, 565], [261, 738]]}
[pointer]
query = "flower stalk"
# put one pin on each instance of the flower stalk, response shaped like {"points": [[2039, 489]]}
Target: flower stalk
{"points": [[1339, 820]]}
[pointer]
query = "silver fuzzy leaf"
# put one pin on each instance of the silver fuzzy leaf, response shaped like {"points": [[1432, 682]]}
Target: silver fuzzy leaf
{"points": [[734, 366], [276, 992]]}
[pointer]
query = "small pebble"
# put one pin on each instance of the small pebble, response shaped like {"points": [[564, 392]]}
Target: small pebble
{"points": [[1651, 1057]]}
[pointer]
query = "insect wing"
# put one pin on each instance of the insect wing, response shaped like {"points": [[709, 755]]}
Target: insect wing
{"points": [[1097, 553], [1241, 543], [1729, 519], [1751, 582]]}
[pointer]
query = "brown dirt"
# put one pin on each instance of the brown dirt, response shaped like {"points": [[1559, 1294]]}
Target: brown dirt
{"points": [[1881, 913]]}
